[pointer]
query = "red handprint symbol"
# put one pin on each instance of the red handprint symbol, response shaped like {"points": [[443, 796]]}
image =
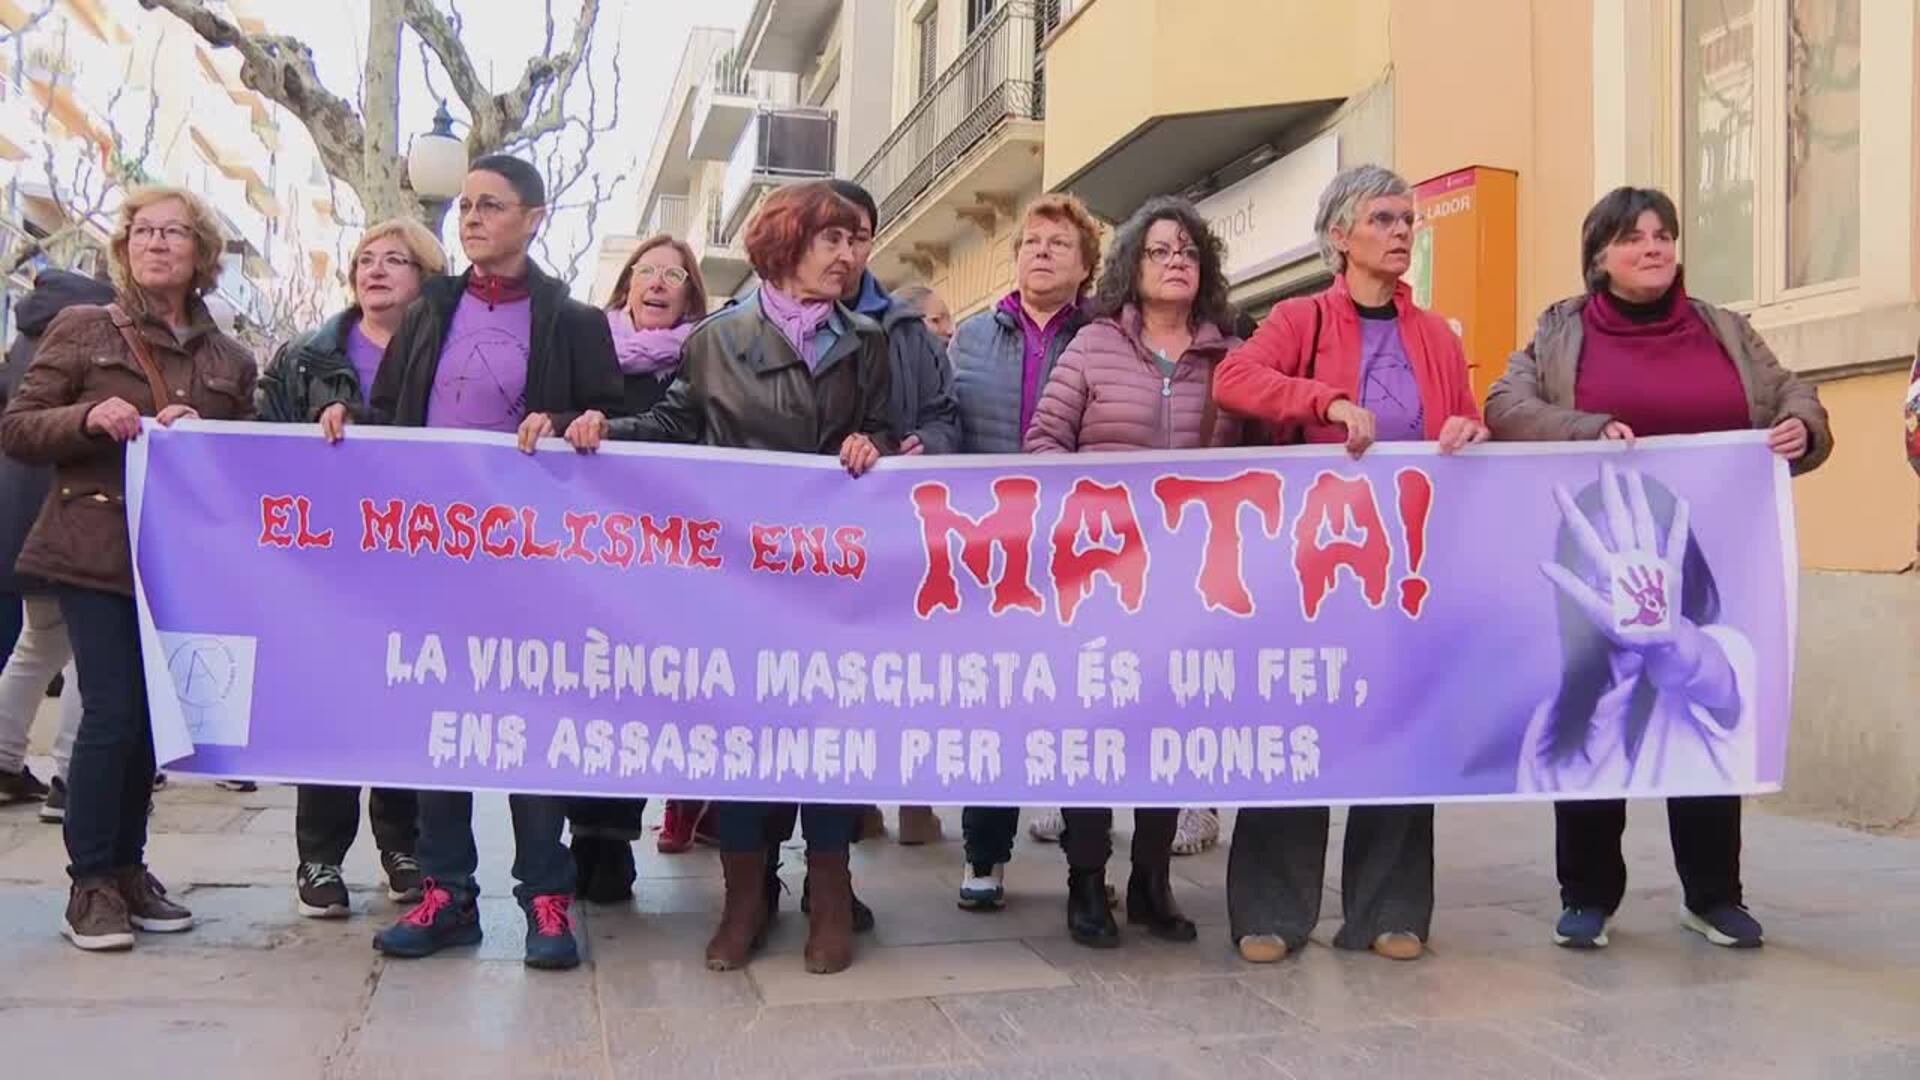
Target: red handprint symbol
{"points": [[1648, 589]]}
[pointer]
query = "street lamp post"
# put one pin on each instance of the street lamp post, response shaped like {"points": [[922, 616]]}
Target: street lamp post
{"points": [[437, 164]]}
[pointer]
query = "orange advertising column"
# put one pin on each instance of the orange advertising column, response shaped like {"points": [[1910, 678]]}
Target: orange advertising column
{"points": [[1465, 250]]}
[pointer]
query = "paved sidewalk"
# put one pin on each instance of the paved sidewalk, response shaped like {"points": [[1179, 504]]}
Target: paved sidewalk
{"points": [[937, 992]]}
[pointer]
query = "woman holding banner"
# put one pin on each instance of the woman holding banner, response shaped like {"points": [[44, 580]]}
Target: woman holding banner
{"points": [[656, 301], [338, 361], [154, 352], [1354, 364], [1161, 325], [1634, 355], [789, 368]]}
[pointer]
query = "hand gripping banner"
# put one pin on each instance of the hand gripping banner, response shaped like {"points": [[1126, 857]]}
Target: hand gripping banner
{"points": [[1215, 628]]}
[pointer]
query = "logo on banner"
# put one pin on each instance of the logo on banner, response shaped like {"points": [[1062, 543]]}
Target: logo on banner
{"points": [[213, 678]]}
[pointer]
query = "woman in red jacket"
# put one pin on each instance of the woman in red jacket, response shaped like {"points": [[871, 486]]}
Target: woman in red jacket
{"points": [[1354, 364], [1136, 378]]}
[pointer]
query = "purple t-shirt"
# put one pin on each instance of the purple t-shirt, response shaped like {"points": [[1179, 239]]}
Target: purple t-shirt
{"points": [[481, 383], [365, 357], [1388, 389]]}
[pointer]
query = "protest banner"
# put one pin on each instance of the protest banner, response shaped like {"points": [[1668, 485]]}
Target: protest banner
{"points": [[1252, 626]]}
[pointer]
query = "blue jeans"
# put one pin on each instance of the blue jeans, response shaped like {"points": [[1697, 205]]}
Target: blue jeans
{"points": [[541, 863], [110, 781], [743, 826]]}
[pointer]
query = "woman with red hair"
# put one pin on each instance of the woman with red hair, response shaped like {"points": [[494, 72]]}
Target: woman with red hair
{"points": [[789, 368]]}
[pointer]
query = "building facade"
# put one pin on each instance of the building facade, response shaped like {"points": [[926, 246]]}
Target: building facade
{"points": [[98, 94]]}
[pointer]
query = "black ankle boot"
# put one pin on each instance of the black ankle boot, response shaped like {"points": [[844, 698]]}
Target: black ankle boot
{"points": [[1088, 920], [1150, 904], [611, 872]]}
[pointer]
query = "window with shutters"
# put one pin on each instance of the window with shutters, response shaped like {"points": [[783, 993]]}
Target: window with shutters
{"points": [[926, 51]]}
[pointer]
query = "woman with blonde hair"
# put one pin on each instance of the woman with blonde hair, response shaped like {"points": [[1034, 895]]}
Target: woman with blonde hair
{"points": [[154, 352], [337, 361]]}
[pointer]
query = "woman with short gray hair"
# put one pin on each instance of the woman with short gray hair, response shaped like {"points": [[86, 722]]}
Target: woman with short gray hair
{"points": [[1354, 364]]}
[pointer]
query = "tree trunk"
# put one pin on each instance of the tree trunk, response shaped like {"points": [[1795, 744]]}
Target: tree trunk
{"points": [[380, 107]]}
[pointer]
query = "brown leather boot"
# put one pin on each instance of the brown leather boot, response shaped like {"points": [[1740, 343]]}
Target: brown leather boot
{"points": [[743, 917], [830, 916]]}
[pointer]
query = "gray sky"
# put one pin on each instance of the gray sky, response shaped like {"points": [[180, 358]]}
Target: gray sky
{"points": [[644, 37]]}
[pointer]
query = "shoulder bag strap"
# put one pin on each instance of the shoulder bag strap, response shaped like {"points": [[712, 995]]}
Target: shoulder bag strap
{"points": [[156, 382]]}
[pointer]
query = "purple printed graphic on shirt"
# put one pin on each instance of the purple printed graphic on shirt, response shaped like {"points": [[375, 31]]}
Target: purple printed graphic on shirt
{"points": [[365, 357], [1388, 389], [481, 384]]}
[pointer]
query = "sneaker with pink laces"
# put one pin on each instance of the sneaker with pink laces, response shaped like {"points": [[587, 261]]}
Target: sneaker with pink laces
{"points": [[550, 943], [439, 921]]}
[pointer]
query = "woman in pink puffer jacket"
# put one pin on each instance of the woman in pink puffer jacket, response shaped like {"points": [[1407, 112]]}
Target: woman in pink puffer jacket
{"points": [[1140, 377]]}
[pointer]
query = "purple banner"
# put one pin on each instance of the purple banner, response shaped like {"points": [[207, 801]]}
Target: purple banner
{"points": [[1234, 627]]}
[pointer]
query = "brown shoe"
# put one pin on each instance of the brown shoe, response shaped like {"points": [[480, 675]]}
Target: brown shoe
{"points": [[147, 905], [873, 824], [743, 915], [830, 917], [96, 918], [919, 825]]}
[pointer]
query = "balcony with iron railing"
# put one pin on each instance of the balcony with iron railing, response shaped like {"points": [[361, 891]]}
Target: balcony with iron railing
{"points": [[994, 82], [668, 215], [726, 100], [723, 259], [778, 147]]}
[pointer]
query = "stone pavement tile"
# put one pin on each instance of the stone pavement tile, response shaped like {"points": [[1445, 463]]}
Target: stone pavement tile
{"points": [[1792, 1029], [1785, 889], [1429, 1049], [168, 1039], [1864, 940], [18, 824], [1674, 959], [643, 961], [1097, 1019], [1195, 1060], [1139, 958], [787, 1041], [171, 969], [483, 1019], [279, 820], [176, 816], [38, 856], [933, 917], [1333, 988], [1481, 930], [894, 974], [1814, 846]]}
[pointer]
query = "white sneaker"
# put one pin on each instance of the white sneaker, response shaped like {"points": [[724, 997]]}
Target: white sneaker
{"points": [[1198, 831], [1047, 827], [983, 892]]}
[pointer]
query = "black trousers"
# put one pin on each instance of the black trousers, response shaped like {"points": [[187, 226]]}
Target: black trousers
{"points": [[988, 832], [326, 819], [1706, 851], [1088, 840], [1277, 869], [614, 819]]}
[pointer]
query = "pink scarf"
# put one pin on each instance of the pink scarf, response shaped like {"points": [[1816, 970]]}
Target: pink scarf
{"points": [[647, 352], [797, 320]]}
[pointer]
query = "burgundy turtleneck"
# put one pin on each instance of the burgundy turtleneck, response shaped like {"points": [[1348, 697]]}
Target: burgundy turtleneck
{"points": [[494, 290], [1657, 368]]}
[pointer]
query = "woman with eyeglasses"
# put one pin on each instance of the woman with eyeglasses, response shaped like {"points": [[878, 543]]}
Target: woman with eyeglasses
{"points": [[155, 352], [1356, 364], [656, 301], [337, 362], [1139, 377]]}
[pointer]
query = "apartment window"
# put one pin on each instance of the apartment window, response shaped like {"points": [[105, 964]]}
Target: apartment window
{"points": [[977, 12], [1769, 146], [926, 32]]}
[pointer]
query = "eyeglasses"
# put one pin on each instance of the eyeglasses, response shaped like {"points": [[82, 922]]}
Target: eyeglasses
{"points": [[146, 234], [1387, 219], [1161, 255], [487, 205], [672, 275], [390, 260]]}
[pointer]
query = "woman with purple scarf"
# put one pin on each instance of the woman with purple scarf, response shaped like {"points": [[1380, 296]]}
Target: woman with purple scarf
{"points": [[789, 368], [657, 299]]}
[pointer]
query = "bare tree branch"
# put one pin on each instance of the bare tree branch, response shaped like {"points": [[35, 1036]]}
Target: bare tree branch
{"points": [[441, 35], [282, 68]]}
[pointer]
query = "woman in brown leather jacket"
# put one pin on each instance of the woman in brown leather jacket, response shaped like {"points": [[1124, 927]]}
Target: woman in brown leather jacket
{"points": [[789, 368], [154, 352]]}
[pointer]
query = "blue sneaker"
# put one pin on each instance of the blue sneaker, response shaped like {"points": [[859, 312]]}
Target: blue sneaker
{"points": [[436, 922], [1581, 928], [550, 944], [1726, 925]]}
